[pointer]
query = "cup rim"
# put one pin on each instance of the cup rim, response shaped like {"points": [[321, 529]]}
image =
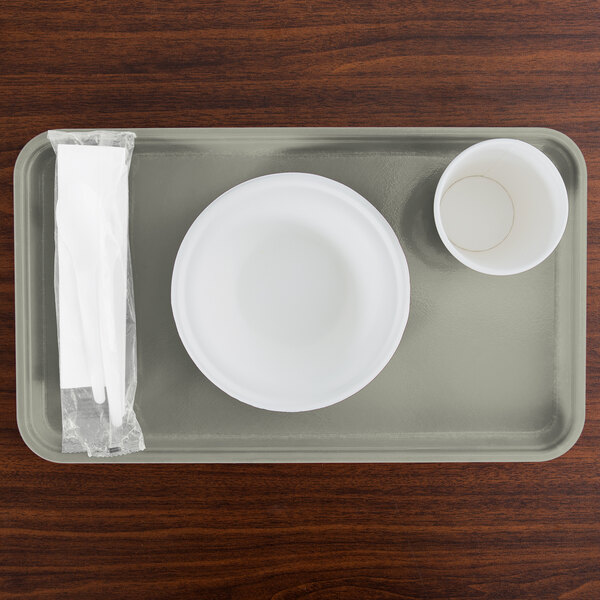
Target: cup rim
{"points": [[455, 250]]}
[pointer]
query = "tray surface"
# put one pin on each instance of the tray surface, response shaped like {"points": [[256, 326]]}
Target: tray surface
{"points": [[489, 368]]}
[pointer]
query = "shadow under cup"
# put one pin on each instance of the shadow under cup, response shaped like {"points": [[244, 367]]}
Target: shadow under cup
{"points": [[501, 207]]}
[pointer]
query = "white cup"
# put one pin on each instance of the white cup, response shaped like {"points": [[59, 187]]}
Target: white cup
{"points": [[501, 207]]}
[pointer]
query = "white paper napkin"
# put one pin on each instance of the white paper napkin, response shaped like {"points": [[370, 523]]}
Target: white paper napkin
{"points": [[91, 232]]}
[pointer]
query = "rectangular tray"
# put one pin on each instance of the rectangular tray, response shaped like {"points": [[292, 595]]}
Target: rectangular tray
{"points": [[489, 368]]}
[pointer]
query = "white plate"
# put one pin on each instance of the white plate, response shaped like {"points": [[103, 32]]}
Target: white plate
{"points": [[290, 292]]}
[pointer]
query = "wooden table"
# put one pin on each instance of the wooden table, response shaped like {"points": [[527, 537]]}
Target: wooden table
{"points": [[293, 532]]}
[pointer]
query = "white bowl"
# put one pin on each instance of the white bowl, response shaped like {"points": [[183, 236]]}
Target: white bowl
{"points": [[501, 207], [290, 292]]}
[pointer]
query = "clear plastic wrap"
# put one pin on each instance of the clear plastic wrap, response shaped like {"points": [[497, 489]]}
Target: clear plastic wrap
{"points": [[94, 293]]}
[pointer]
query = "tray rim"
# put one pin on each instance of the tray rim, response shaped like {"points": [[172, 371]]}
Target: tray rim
{"points": [[32, 438]]}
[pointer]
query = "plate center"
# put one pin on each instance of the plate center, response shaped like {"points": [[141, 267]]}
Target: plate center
{"points": [[293, 286]]}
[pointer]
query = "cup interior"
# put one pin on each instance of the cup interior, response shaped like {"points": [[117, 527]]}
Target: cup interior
{"points": [[501, 207]]}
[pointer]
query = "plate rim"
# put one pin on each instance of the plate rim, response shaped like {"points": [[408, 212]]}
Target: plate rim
{"points": [[382, 229]]}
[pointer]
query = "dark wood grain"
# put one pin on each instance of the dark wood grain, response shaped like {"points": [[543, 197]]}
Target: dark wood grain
{"points": [[291, 532]]}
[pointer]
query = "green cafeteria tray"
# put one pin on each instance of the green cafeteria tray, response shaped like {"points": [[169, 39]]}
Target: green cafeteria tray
{"points": [[489, 368]]}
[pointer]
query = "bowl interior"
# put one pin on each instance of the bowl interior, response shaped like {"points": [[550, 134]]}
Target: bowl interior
{"points": [[290, 292]]}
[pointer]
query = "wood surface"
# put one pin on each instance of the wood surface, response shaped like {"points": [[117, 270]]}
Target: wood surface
{"points": [[291, 532]]}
